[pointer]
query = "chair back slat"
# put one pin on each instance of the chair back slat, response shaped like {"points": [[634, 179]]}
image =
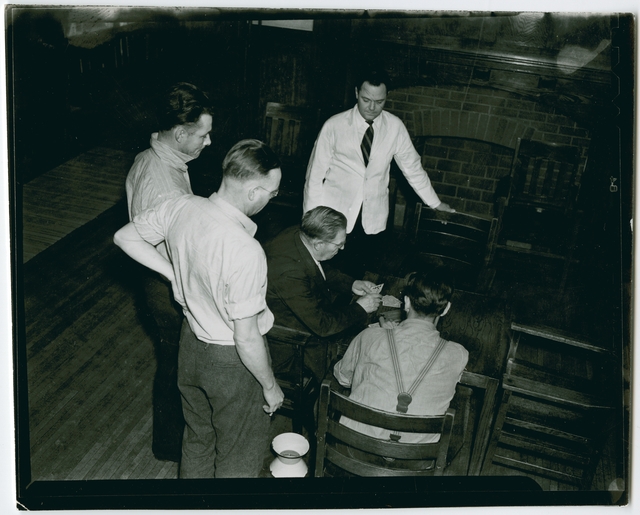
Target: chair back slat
{"points": [[395, 422], [282, 334], [386, 448], [461, 241], [543, 174], [338, 444], [543, 375], [364, 469], [551, 392], [536, 446], [558, 335]]}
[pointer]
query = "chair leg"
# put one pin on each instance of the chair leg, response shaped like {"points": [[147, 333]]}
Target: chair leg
{"points": [[497, 430], [321, 434], [484, 427], [296, 423], [565, 271], [485, 280], [573, 241]]}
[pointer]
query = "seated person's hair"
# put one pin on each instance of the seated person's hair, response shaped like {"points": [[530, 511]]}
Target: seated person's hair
{"points": [[322, 223], [249, 158], [374, 76], [430, 291], [182, 104]]}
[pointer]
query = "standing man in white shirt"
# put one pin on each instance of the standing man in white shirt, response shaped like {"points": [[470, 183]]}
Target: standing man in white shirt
{"points": [[349, 166], [160, 173], [218, 273]]}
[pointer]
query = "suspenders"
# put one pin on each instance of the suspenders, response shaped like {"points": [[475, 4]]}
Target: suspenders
{"points": [[404, 396]]}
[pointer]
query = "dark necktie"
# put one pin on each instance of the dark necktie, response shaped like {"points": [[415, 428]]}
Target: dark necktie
{"points": [[367, 139]]}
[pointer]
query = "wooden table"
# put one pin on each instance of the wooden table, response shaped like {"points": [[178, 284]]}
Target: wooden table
{"points": [[480, 324]]}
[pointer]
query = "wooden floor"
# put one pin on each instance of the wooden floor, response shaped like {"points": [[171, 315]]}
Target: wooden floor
{"points": [[90, 363], [67, 197]]}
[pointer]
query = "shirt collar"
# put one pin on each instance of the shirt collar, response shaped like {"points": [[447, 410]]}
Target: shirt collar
{"points": [[359, 119], [175, 157], [420, 322], [234, 213]]}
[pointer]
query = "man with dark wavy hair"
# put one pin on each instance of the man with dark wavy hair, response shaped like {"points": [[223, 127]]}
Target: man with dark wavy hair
{"points": [[218, 274], [367, 366], [160, 173]]}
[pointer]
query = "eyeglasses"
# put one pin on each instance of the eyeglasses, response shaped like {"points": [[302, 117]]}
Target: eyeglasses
{"points": [[339, 245], [272, 194]]}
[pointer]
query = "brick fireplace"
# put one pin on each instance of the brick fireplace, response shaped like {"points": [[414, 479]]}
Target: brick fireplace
{"points": [[467, 136]]}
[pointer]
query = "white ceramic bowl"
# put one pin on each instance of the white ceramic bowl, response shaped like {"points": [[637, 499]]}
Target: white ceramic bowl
{"points": [[290, 449]]}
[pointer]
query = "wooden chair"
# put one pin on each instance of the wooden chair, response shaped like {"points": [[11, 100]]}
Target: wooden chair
{"points": [[538, 215], [289, 131], [460, 241], [334, 440], [299, 386], [555, 407], [479, 323]]}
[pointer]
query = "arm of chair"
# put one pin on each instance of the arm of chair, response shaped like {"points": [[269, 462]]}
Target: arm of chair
{"points": [[557, 335], [331, 382], [289, 336]]}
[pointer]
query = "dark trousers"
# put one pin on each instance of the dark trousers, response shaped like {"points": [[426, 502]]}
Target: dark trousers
{"points": [[227, 431], [283, 358], [362, 252], [164, 318], [319, 353]]}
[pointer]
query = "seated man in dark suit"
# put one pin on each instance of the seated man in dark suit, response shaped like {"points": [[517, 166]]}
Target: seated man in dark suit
{"points": [[307, 296]]}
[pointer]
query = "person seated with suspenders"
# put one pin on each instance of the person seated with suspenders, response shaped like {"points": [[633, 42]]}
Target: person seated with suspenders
{"points": [[408, 367]]}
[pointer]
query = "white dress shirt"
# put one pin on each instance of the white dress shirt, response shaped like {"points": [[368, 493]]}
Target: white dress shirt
{"points": [[337, 177]]}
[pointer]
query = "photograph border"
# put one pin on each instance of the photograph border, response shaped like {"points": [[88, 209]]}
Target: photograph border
{"points": [[309, 493]]}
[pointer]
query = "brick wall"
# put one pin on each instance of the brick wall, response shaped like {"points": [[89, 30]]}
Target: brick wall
{"points": [[465, 172], [467, 135]]}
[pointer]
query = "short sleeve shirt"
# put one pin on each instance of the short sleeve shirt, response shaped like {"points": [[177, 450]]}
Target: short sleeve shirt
{"points": [[220, 268]]}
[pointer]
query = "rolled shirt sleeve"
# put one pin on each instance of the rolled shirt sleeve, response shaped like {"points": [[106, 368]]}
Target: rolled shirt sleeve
{"points": [[246, 288]]}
